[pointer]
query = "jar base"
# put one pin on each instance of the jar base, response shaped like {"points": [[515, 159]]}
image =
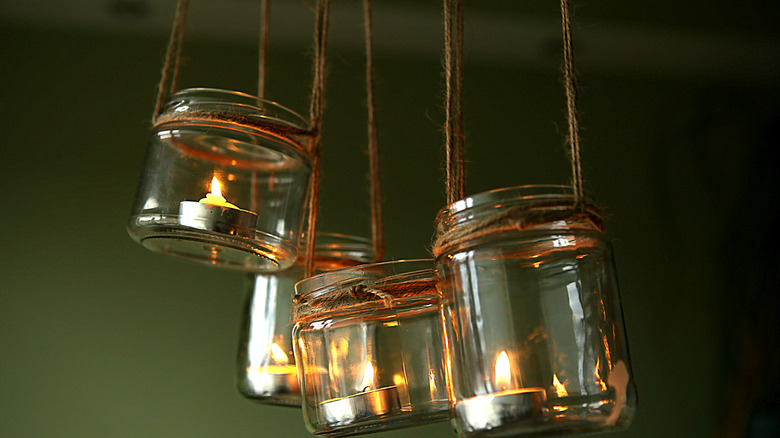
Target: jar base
{"points": [[263, 253], [399, 420]]}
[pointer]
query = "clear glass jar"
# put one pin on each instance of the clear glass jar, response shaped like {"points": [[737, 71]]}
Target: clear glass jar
{"points": [[224, 181], [366, 363], [266, 370], [532, 315]]}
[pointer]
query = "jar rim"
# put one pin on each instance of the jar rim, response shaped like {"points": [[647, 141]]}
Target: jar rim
{"points": [[222, 96]]}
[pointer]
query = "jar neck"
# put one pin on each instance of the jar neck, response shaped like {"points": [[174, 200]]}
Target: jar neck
{"points": [[370, 287], [236, 104], [516, 209]]}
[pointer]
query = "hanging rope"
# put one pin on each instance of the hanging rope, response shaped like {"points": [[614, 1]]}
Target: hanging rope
{"points": [[377, 226], [454, 131], [570, 83], [170, 71], [265, 6], [529, 214], [315, 114]]}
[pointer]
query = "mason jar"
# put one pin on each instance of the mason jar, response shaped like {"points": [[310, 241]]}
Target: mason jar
{"points": [[224, 181], [368, 344], [533, 322], [266, 370]]}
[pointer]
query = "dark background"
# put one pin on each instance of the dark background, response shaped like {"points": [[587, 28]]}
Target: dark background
{"points": [[99, 337]]}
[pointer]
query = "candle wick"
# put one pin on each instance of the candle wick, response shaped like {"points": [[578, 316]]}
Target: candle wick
{"points": [[366, 388]]}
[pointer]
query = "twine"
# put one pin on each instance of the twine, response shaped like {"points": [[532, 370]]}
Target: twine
{"points": [[236, 119], [454, 131], [315, 111], [518, 218], [346, 297], [531, 213], [570, 83], [265, 6], [170, 71], [377, 226]]}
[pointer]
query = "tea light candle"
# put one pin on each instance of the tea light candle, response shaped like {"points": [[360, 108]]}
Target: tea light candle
{"points": [[361, 406], [504, 406], [493, 410], [274, 379], [214, 213]]}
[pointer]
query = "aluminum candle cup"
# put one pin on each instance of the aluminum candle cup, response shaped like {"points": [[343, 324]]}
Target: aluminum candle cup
{"points": [[368, 345], [485, 412], [363, 405], [266, 370], [530, 303], [224, 182], [223, 220]]}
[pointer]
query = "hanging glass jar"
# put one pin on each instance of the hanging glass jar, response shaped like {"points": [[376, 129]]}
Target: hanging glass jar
{"points": [[530, 304], [224, 181], [266, 364], [368, 344]]}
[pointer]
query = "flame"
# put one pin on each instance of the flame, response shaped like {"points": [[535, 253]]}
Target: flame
{"points": [[503, 372], [216, 190], [278, 354], [368, 377], [559, 388]]}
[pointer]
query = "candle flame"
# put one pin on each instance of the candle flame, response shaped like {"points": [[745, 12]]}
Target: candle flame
{"points": [[503, 372], [278, 354], [559, 388], [368, 377], [216, 190]]}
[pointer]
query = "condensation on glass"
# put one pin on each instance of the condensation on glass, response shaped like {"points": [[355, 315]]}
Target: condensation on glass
{"points": [[266, 369], [224, 181], [373, 365], [533, 322]]}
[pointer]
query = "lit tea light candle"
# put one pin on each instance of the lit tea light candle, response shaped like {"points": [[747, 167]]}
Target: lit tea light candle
{"points": [[215, 213], [367, 404], [276, 379], [507, 405]]}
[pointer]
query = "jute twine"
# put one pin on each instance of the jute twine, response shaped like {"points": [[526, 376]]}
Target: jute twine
{"points": [[518, 218], [355, 295], [530, 213]]}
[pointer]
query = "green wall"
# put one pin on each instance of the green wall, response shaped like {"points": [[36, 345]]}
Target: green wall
{"points": [[99, 337]]}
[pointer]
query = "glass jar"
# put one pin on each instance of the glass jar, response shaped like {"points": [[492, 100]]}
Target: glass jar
{"points": [[224, 181], [532, 315], [266, 369], [368, 343]]}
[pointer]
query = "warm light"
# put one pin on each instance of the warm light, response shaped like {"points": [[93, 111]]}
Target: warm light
{"points": [[559, 388], [278, 354], [503, 372], [403, 392], [599, 380], [368, 377], [432, 384], [216, 190]]}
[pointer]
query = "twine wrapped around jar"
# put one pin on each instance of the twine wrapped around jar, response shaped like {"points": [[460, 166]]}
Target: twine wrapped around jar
{"points": [[235, 118], [518, 218], [356, 294]]}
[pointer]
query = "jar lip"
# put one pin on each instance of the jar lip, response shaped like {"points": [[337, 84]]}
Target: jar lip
{"points": [[509, 195], [332, 245], [366, 274], [228, 97]]}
